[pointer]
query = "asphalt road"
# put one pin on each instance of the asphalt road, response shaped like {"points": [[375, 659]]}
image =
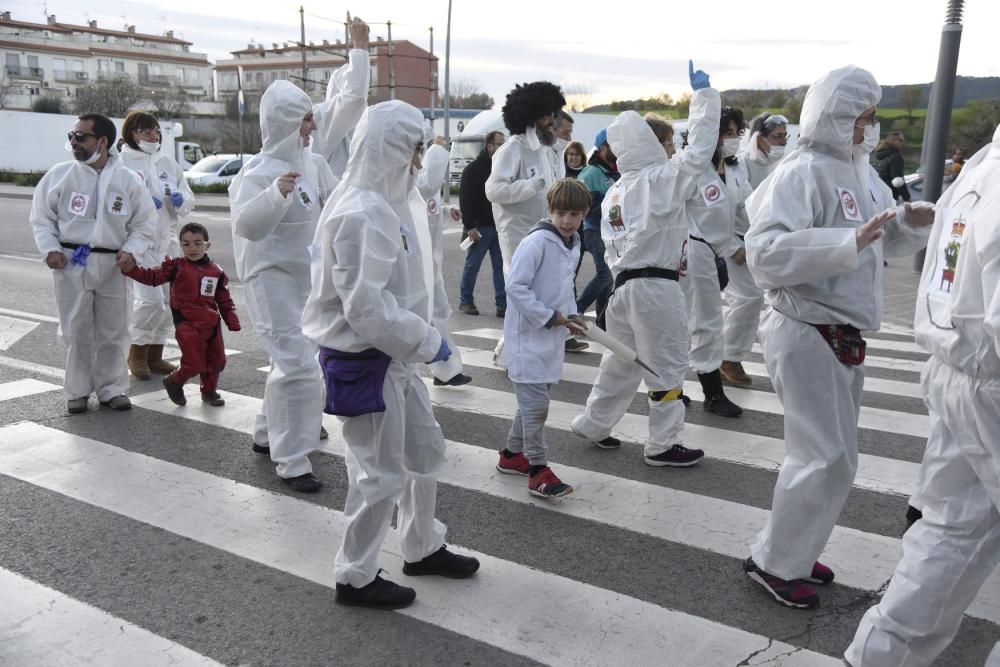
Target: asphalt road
{"points": [[160, 523]]}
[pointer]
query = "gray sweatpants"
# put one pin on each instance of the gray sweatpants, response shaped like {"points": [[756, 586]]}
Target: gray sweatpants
{"points": [[527, 433]]}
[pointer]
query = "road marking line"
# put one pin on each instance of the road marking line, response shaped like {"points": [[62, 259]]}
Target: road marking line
{"points": [[31, 316], [593, 626], [13, 329], [42, 626], [41, 369], [26, 387]]}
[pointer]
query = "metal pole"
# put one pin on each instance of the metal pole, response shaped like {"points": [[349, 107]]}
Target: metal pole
{"points": [[939, 110], [430, 69], [447, 99], [305, 67], [392, 72]]}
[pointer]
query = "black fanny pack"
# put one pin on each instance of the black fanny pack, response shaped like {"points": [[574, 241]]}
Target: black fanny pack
{"points": [[354, 381], [720, 263], [845, 341]]}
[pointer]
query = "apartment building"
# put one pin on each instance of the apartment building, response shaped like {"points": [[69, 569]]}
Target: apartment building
{"points": [[399, 69], [56, 58]]}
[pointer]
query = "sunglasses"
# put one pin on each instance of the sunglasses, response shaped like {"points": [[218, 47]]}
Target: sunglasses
{"points": [[79, 137]]}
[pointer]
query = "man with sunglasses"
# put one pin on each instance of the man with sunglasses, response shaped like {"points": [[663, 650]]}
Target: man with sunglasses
{"points": [[91, 217]]}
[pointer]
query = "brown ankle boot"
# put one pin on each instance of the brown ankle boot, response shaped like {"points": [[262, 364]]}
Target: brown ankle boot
{"points": [[156, 362], [733, 373], [138, 361]]}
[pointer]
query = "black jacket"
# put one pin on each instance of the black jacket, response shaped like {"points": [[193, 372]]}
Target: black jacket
{"points": [[476, 208], [888, 162]]}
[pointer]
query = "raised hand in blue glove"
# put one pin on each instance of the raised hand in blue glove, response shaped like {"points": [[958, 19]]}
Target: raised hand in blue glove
{"points": [[698, 78], [158, 203], [176, 199], [443, 353]]}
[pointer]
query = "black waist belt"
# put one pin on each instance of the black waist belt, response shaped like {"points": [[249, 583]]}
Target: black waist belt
{"points": [[648, 272], [74, 246], [698, 238]]}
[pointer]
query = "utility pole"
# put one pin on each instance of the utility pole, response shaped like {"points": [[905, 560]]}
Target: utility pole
{"points": [[447, 99], [302, 41], [939, 108], [392, 71], [432, 77]]}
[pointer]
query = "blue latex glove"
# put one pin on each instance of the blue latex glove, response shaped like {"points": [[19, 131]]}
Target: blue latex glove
{"points": [[176, 199], [80, 255], [443, 353], [158, 203], [698, 78]]}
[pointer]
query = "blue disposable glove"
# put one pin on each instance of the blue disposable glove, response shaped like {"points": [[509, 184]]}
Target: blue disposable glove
{"points": [[80, 255], [698, 78], [158, 203], [443, 353], [176, 199]]}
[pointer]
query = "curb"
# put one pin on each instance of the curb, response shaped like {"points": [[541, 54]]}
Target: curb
{"points": [[215, 208]]}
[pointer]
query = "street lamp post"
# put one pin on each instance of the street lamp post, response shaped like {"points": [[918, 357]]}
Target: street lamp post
{"points": [[447, 100]]}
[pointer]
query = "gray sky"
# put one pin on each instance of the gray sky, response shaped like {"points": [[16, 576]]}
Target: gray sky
{"points": [[617, 51]]}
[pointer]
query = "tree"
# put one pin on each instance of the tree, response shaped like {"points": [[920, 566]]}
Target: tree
{"points": [[111, 97], [465, 94], [793, 105], [229, 127], [47, 104], [577, 97], [974, 129], [911, 97], [171, 104], [7, 88]]}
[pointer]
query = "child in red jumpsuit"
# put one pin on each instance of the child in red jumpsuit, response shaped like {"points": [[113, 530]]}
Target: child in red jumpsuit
{"points": [[199, 295]]}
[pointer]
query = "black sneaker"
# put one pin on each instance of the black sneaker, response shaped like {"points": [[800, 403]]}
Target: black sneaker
{"points": [[444, 563], [261, 449], [502, 311], [456, 381], [574, 345], [306, 483], [174, 391], [677, 456], [379, 594], [722, 406], [213, 398], [468, 309], [323, 435]]}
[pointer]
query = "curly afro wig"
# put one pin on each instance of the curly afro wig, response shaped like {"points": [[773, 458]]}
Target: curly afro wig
{"points": [[530, 101]]}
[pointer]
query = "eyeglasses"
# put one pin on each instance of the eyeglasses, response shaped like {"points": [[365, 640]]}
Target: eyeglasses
{"points": [[868, 120], [149, 132], [79, 137], [195, 244]]}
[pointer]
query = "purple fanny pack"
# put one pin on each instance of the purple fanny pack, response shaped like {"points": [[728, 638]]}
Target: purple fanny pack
{"points": [[353, 381]]}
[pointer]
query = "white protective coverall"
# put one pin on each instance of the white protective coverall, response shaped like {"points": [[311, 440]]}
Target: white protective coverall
{"points": [[714, 211], [346, 99], [802, 249], [109, 209], [152, 322], [271, 238], [948, 553], [757, 164], [742, 299], [373, 282], [429, 181], [523, 170], [649, 314]]}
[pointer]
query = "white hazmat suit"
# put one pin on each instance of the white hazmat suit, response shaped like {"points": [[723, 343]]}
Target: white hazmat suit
{"points": [[346, 99], [644, 225], [108, 210], [802, 249], [373, 285], [271, 238], [152, 322], [948, 553], [429, 182]]}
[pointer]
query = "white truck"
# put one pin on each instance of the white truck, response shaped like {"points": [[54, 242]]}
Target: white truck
{"points": [[467, 145], [34, 142]]}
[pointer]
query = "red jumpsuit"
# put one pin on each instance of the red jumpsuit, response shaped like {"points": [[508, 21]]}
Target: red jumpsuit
{"points": [[199, 294]]}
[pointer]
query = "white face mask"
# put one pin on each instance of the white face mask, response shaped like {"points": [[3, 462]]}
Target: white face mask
{"points": [[872, 133], [776, 153], [94, 157], [149, 147], [730, 146]]}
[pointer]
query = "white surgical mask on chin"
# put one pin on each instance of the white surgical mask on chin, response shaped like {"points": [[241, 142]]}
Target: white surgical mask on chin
{"points": [[730, 146], [149, 147], [776, 153], [872, 133]]}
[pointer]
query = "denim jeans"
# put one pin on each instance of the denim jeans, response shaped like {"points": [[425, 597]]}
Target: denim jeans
{"points": [[474, 256], [599, 287]]}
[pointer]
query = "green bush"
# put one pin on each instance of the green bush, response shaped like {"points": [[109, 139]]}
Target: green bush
{"points": [[214, 188], [18, 178], [47, 104]]}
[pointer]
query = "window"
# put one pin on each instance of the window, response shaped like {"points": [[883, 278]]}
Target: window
{"points": [[77, 65], [157, 69], [60, 64], [13, 60], [103, 65], [32, 61], [191, 75], [119, 66]]}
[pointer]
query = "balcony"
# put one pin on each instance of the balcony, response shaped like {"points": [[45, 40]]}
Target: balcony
{"points": [[156, 80], [112, 76], [70, 76], [25, 73]]}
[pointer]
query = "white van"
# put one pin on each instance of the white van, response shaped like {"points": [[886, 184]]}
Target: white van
{"points": [[221, 168]]}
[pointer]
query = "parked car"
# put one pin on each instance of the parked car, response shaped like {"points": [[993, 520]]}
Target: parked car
{"points": [[221, 168]]}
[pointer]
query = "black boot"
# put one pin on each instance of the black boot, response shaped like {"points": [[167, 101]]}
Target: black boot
{"points": [[912, 516], [715, 398]]}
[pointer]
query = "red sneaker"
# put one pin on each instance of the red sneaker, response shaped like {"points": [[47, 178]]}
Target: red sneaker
{"points": [[514, 465], [544, 483], [789, 592], [821, 575]]}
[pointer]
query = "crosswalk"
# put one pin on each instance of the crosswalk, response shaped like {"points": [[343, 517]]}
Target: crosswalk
{"points": [[637, 566]]}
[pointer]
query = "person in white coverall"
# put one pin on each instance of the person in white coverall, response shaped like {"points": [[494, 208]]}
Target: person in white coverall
{"points": [[713, 211], [371, 312], [429, 181], [742, 299], [91, 218], [152, 322], [276, 201], [645, 231], [819, 226], [953, 548]]}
